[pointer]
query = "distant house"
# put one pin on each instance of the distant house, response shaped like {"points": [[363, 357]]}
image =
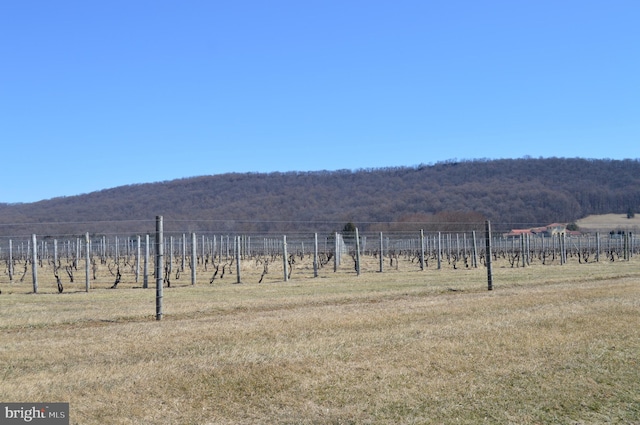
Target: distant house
{"points": [[556, 228], [550, 230], [518, 232]]}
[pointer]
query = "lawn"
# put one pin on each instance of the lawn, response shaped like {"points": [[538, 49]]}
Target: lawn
{"points": [[550, 344]]}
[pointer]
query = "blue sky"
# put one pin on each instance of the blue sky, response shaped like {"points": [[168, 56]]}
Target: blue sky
{"points": [[95, 95]]}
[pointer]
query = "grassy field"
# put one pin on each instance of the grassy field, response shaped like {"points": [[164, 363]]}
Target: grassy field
{"points": [[550, 344], [608, 222]]}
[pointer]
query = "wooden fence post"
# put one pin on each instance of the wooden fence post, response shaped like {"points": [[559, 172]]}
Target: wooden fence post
{"points": [[34, 263], [439, 250], [421, 249], [475, 250], [381, 253], [626, 238], [563, 244], [159, 266], [285, 264], [336, 249], [357, 253], [10, 260], [103, 250], [116, 246], [315, 255], [238, 258], [171, 258], [55, 254], [138, 245], [184, 252], [194, 257], [87, 262], [487, 225], [145, 272]]}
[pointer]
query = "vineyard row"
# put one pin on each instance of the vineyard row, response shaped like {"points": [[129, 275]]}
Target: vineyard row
{"points": [[134, 258]]}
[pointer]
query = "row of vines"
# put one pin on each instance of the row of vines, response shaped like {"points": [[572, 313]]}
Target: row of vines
{"points": [[84, 262]]}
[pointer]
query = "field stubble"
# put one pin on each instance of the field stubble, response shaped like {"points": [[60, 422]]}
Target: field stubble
{"points": [[550, 344]]}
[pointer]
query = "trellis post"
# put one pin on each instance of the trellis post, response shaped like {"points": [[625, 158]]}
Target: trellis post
{"points": [[184, 252], [87, 261], [238, 257], [159, 266], [475, 250], [145, 272], [34, 263], [439, 250], [171, 253], [10, 260], [336, 249], [487, 225], [381, 253], [194, 257], [357, 253], [421, 249], [137, 258], [55, 254], [315, 255], [285, 264]]}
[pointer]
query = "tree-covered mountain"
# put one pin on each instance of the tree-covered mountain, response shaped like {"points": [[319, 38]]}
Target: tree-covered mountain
{"points": [[509, 192]]}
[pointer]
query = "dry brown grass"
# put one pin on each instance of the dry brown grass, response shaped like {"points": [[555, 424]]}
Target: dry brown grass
{"points": [[608, 222], [551, 344]]}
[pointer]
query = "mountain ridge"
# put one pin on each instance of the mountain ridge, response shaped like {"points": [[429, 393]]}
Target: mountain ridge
{"points": [[510, 192]]}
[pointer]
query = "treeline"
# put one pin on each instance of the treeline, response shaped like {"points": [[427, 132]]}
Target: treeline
{"points": [[510, 192]]}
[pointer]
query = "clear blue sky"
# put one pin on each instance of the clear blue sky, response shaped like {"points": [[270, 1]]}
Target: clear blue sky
{"points": [[98, 94]]}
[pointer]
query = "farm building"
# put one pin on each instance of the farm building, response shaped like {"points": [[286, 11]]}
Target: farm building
{"points": [[549, 230]]}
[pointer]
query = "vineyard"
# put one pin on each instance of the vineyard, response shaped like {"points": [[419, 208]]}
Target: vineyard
{"points": [[51, 263], [309, 328]]}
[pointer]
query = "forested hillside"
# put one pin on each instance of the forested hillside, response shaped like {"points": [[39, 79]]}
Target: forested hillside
{"points": [[510, 192]]}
